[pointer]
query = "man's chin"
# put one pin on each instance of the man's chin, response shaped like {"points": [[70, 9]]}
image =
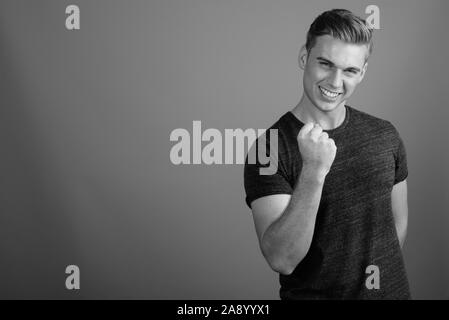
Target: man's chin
{"points": [[326, 106]]}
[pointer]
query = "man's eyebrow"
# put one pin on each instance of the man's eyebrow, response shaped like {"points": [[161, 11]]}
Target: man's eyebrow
{"points": [[332, 64], [325, 60]]}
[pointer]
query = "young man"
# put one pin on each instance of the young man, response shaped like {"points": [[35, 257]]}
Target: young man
{"points": [[332, 219]]}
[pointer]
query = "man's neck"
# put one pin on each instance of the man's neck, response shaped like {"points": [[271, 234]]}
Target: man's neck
{"points": [[307, 112]]}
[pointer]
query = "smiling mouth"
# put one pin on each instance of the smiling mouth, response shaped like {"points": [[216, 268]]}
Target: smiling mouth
{"points": [[329, 94]]}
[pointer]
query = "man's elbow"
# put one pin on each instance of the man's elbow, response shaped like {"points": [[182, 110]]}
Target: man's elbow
{"points": [[283, 269], [401, 230], [283, 265], [280, 259], [402, 234]]}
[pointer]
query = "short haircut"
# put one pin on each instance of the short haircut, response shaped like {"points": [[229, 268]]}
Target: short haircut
{"points": [[341, 24]]}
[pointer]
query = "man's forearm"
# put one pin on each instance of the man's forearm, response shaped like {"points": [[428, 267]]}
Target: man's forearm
{"points": [[287, 240]]}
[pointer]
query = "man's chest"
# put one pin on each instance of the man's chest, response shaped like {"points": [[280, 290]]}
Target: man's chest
{"points": [[365, 165]]}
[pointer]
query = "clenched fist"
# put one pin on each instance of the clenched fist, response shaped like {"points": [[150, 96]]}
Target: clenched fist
{"points": [[317, 149]]}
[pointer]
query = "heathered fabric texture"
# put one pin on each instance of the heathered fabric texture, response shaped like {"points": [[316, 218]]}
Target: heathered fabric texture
{"points": [[355, 224]]}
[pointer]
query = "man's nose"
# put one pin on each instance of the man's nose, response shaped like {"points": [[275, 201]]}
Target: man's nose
{"points": [[335, 79]]}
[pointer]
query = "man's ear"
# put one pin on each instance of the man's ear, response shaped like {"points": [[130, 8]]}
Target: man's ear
{"points": [[302, 58]]}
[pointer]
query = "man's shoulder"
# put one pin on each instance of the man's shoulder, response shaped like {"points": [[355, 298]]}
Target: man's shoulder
{"points": [[283, 121], [364, 119], [287, 125], [367, 126]]}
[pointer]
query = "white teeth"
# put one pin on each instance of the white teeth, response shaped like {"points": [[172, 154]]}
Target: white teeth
{"points": [[328, 93]]}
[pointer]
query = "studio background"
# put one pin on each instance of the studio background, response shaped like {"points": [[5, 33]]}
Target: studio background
{"points": [[85, 121]]}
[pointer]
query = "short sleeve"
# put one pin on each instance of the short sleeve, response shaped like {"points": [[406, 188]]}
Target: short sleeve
{"points": [[400, 158], [259, 185]]}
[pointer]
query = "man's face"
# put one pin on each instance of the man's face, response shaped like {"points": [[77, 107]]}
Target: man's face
{"points": [[332, 71]]}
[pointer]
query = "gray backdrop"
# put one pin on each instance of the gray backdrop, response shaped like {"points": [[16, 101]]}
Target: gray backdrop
{"points": [[85, 120]]}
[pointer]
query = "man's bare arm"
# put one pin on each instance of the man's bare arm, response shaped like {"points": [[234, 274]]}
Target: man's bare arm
{"points": [[285, 224], [399, 207], [287, 238]]}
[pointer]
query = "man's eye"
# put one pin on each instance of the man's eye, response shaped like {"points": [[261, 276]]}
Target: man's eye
{"points": [[324, 64]]}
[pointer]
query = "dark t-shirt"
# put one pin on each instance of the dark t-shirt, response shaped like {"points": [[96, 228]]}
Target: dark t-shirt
{"points": [[354, 225]]}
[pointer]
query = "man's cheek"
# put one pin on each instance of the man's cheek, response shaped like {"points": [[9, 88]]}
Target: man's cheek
{"points": [[350, 87], [314, 72]]}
